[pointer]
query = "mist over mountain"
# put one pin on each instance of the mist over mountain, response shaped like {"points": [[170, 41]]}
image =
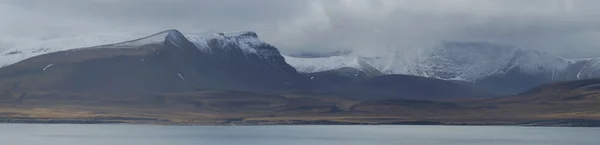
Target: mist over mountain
{"points": [[171, 61], [180, 77], [495, 67]]}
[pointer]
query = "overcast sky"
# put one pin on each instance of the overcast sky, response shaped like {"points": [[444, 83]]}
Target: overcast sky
{"points": [[566, 27]]}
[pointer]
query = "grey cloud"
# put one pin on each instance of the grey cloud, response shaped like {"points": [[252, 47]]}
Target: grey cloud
{"points": [[565, 27]]}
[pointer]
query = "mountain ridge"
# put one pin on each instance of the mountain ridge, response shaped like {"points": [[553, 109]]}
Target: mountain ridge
{"points": [[170, 61], [222, 78], [22, 52], [478, 63], [159, 63]]}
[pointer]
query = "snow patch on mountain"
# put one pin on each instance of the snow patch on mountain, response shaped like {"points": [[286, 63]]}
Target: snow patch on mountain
{"points": [[590, 68], [246, 41], [464, 61], [471, 61], [311, 65]]}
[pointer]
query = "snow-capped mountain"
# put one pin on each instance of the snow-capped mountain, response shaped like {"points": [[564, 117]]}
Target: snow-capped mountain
{"points": [[170, 62], [246, 42], [473, 62], [162, 62], [312, 65]]}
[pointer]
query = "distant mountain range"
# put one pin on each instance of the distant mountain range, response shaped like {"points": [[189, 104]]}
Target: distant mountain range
{"points": [[171, 61], [222, 78], [498, 68]]}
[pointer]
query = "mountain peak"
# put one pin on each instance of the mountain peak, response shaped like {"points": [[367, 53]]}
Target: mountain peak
{"points": [[250, 34]]}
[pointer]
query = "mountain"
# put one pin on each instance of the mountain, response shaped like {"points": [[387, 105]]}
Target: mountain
{"points": [[28, 50], [316, 64], [169, 62], [503, 68], [165, 62], [498, 68], [223, 78]]}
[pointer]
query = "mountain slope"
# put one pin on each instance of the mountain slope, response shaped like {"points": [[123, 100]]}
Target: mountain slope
{"points": [[170, 61], [580, 91], [161, 63], [403, 87], [558, 101], [314, 65], [499, 68], [22, 52]]}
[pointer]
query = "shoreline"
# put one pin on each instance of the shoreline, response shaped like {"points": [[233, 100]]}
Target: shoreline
{"points": [[536, 123]]}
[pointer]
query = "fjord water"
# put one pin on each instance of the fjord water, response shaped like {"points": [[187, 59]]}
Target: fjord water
{"points": [[69, 134]]}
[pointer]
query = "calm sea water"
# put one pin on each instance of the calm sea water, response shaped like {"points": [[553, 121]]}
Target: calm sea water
{"points": [[68, 134]]}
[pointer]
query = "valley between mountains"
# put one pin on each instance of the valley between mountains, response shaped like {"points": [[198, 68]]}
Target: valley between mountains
{"points": [[235, 78]]}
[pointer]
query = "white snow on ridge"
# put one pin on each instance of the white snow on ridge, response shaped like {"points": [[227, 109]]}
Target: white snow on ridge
{"points": [[140, 41], [89, 40], [25, 51], [450, 61], [535, 61], [472, 61], [311, 65], [465, 61], [246, 43]]}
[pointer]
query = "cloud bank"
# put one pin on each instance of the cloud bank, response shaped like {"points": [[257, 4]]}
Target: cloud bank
{"points": [[565, 27]]}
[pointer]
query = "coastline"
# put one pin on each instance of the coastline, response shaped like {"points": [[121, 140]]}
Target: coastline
{"points": [[535, 123]]}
